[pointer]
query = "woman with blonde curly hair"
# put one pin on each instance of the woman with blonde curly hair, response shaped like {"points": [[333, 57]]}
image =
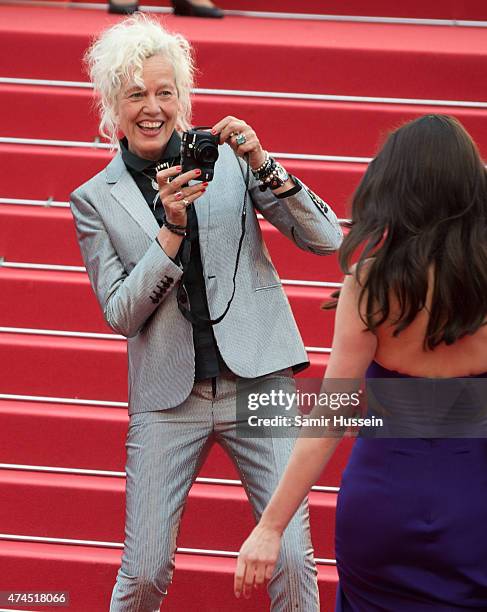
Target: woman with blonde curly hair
{"points": [[177, 262]]}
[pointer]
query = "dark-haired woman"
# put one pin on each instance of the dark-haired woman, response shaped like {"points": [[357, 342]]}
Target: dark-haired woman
{"points": [[412, 508]]}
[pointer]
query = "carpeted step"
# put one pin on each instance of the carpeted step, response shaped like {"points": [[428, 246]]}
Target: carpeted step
{"points": [[412, 9], [321, 57], [324, 128], [42, 434], [52, 240], [203, 583], [52, 366], [59, 170], [56, 170], [93, 508], [34, 296], [449, 9], [419, 9]]}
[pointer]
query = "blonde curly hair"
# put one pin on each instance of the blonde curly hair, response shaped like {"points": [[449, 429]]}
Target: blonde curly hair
{"points": [[117, 55]]}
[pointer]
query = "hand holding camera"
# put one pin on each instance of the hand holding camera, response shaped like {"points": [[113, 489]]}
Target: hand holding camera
{"points": [[199, 149], [199, 153], [175, 193], [242, 138]]}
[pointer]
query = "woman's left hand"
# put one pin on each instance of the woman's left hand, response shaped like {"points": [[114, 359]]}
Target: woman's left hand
{"points": [[233, 131], [256, 560]]}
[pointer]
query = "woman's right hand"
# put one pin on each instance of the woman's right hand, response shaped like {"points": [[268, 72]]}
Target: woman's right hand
{"points": [[174, 197], [256, 560]]}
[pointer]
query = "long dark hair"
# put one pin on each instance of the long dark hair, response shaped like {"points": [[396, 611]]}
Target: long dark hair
{"points": [[422, 203]]}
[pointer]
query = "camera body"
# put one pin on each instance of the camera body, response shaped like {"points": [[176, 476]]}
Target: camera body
{"points": [[199, 149]]}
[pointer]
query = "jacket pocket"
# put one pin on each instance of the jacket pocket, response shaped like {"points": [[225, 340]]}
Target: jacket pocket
{"points": [[271, 286]]}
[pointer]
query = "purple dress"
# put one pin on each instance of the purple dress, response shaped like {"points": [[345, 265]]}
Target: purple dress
{"points": [[411, 522]]}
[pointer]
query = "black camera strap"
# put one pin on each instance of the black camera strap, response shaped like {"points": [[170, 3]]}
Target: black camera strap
{"points": [[182, 297]]}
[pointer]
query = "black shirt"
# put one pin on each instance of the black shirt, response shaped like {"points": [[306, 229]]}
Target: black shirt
{"points": [[208, 361]]}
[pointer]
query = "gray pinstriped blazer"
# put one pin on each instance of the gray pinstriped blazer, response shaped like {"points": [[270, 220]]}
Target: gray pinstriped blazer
{"points": [[134, 280]]}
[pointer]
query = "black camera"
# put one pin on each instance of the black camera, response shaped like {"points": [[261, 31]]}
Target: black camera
{"points": [[199, 149]]}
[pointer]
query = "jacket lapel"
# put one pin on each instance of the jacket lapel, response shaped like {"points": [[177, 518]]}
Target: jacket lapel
{"points": [[202, 209], [126, 192]]}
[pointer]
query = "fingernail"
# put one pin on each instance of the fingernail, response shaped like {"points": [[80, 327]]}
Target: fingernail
{"points": [[213, 132], [205, 184], [198, 171], [179, 167], [178, 195]]}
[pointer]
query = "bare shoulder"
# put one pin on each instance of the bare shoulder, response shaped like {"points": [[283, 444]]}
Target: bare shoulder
{"points": [[354, 282], [354, 345], [360, 275]]}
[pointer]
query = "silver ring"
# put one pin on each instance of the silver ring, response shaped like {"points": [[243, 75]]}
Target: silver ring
{"points": [[186, 203], [240, 140]]}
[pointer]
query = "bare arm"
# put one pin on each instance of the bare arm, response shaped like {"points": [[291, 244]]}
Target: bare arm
{"points": [[353, 349]]}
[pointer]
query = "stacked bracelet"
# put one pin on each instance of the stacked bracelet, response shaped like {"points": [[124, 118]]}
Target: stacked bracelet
{"points": [[263, 168], [180, 230], [270, 174]]}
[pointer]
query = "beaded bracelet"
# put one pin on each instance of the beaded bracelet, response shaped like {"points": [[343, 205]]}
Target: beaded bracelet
{"points": [[270, 179], [180, 230], [258, 171]]}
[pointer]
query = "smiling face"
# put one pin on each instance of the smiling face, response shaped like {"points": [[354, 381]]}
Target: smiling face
{"points": [[147, 116]]}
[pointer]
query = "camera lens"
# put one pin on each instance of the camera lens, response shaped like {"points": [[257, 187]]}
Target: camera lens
{"points": [[206, 152]]}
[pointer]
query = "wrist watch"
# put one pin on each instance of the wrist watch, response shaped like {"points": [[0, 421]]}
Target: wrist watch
{"points": [[278, 176], [282, 174]]}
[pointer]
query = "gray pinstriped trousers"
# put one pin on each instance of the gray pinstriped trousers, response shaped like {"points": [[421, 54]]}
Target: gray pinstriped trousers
{"points": [[165, 449]]}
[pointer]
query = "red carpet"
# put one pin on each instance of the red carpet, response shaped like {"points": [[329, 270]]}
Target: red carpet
{"points": [[27, 429], [320, 57], [209, 580], [334, 181], [53, 240], [52, 498], [45, 288], [312, 56], [352, 129], [416, 9]]}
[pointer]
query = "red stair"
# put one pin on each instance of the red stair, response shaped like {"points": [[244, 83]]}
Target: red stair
{"points": [[200, 583], [351, 129], [365, 59], [41, 504], [26, 428], [53, 241], [408, 9], [334, 180], [36, 291], [57, 358], [63, 413]]}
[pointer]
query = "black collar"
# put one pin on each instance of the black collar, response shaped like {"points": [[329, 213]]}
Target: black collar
{"points": [[139, 164]]}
